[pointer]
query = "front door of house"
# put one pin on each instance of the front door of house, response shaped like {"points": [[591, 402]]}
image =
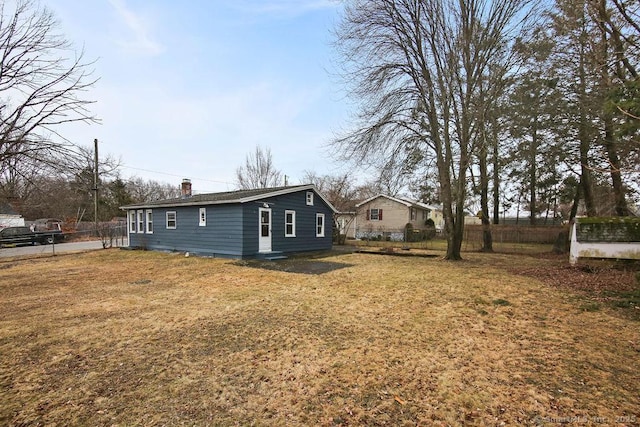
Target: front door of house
{"points": [[264, 236]]}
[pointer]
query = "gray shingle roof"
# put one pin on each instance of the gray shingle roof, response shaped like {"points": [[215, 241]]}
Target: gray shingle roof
{"points": [[238, 196], [6, 209]]}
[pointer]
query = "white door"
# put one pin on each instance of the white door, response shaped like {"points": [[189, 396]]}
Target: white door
{"points": [[264, 236]]}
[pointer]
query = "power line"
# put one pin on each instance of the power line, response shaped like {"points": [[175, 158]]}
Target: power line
{"points": [[176, 176]]}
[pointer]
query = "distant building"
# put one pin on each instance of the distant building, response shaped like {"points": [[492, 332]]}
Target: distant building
{"points": [[9, 217], [388, 216]]}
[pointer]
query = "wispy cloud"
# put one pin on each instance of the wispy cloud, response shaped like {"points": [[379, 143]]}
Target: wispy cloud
{"points": [[139, 39], [285, 7]]}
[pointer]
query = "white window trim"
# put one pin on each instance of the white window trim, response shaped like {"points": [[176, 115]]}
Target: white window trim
{"points": [[318, 216], [309, 198], [132, 221], [175, 216], [202, 217], [140, 221], [293, 223], [377, 218], [148, 221]]}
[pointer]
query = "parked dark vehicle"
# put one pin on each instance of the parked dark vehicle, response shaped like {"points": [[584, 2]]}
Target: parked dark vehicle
{"points": [[24, 236]]}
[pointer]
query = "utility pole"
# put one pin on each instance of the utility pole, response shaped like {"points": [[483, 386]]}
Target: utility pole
{"points": [[95, 183]]}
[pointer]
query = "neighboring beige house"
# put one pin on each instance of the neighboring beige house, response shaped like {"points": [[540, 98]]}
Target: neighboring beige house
{"points": [[388, 216]]}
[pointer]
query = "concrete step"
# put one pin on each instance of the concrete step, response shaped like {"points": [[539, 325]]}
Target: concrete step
{"points": [[271, 256]]}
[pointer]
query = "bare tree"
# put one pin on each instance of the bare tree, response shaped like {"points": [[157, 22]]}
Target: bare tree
{"points": [[342, 194], [338, 189], [258, 171], [140, 190], [42, 85], [417, 67]]}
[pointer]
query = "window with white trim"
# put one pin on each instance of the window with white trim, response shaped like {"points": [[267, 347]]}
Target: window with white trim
{"points": [[413, 213], [149, 225], [309, 198], [132, 221], [319, 225], [374, 215], [172, 220], [289, 223], [203, 217], [140, 221]]}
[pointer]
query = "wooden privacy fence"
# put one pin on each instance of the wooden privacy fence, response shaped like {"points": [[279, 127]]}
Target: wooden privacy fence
{"points": [[515, 233], [543, 234]]}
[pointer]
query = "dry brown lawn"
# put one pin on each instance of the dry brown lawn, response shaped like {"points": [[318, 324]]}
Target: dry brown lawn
{"points": [[124, 338]]}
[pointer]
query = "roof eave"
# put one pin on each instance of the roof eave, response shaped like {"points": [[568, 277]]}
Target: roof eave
{"points": [[283, 191]]}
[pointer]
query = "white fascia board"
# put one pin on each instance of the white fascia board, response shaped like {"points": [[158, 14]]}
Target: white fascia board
{"points": [[226, 202], [403, 202]]}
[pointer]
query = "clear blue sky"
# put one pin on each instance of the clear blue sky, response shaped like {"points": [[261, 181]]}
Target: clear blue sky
{"points": [[188, 88]]}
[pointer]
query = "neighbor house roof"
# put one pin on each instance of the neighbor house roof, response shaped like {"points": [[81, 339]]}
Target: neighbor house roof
{"points": [[6, 209], [407, 203], [227, 197]]}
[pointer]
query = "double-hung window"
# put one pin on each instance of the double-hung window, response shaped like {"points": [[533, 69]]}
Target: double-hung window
{"points": [[309, 198], [319, 225], [149, 224], [289, 223], [172, 220], [132, 221], [140, 221], [374, 215]]}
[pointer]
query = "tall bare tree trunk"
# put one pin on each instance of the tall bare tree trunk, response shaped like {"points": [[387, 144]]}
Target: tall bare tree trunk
{"points": [[496, 174], [621, 208], [533, 169], [487, 239], [586, 182]]}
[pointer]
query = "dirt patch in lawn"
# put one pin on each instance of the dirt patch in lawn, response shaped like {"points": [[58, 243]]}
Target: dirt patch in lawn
{"points": [[302, 266]]}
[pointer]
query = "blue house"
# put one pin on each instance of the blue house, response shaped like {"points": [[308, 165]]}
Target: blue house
{"points": [[261, 223]]}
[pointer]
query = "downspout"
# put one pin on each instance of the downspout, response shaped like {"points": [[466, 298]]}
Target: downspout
{"points": [[128, 229]]}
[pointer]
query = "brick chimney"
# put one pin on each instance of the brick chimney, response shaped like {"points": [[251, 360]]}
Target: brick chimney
{"points": [[186, 188]]}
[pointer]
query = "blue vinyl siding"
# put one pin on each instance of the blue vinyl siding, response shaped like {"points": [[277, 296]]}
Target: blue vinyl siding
{"points": [[221, 236], [305, 239], [232, 229]]}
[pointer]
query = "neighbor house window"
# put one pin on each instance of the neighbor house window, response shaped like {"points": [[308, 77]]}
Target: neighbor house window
{"points": [[289, 223], [140, 221], [413, 214], [203, 217], [132, 221], [375, 215], [309, 198], [149, 221], [171, 220], [319, 225]]}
